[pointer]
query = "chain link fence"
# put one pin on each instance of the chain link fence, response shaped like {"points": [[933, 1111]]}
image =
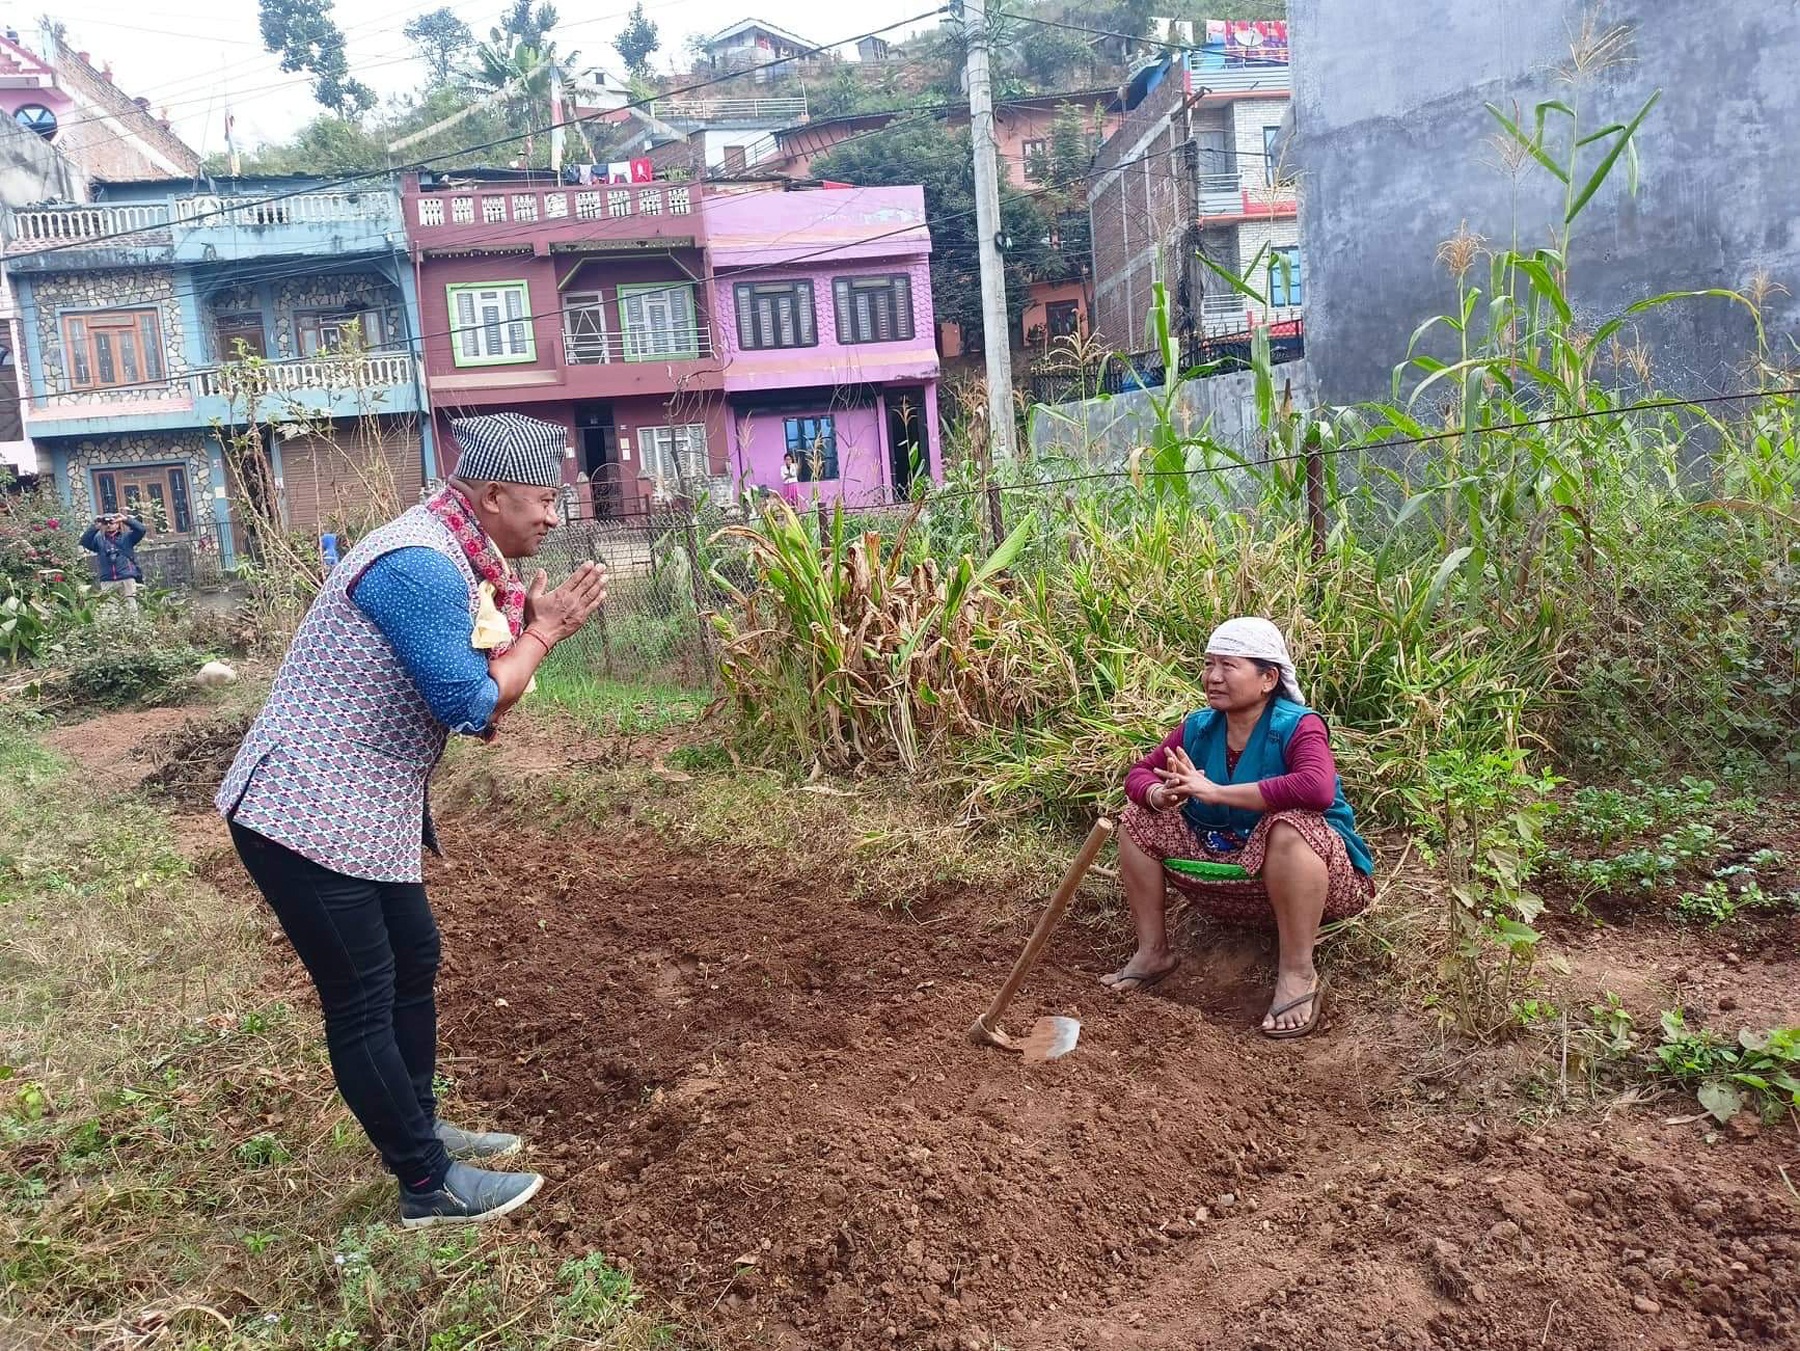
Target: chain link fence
{"points": [[660, 591]]}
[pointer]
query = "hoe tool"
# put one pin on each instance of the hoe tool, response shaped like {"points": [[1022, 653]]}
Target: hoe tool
{"points": [[1049, 1038]]}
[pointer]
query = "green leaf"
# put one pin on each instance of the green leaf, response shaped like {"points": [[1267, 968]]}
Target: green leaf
{"points": [[1441, 578], [1534, 146], [1516, 934], [1605, 167], [1720, 1098]]}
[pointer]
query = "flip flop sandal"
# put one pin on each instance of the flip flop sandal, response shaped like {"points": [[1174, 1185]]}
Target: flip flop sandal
{"points": [[1317, 996], [1143, 982]]}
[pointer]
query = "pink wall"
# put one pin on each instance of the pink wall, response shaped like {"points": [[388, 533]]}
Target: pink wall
{"points": [[830, 362], [760, 442]]}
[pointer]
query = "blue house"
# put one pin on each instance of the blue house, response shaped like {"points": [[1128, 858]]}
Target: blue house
{"points": [[138, 313]]}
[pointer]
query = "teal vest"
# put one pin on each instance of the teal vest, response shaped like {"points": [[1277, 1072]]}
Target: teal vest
{"points": [[1264, 757]]}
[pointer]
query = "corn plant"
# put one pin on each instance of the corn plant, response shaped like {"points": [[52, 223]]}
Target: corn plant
{"points": [[851, 650]]}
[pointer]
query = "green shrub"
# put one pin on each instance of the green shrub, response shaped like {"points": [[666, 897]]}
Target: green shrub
{"points": [[39, 544], [124, 675]]}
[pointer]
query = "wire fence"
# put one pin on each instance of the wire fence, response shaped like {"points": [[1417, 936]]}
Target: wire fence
{"points": [[655, 624]]}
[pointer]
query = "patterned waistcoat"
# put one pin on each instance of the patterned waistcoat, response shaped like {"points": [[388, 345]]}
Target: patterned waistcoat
{"points": [[335, 766]]}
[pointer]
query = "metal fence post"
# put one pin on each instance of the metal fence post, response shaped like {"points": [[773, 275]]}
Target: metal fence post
{"points": [[691, 537], [1315, 500]]}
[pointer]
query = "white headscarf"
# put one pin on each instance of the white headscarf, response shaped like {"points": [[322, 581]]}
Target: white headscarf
{"points": [[1248, 636]]}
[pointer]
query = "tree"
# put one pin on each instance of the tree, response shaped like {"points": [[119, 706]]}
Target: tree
{"points": [[304, 35], [638, 40], [528, 25], [442, 40], [926, 153]]}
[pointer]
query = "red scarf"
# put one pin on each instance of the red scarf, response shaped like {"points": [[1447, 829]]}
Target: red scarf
{"points": [[453, 509]]}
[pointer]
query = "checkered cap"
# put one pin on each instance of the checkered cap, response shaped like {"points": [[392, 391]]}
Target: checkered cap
{"points": [[509, 448]]}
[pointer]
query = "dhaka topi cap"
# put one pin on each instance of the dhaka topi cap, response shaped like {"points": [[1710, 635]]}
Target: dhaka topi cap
{"points": [[510, 448]]}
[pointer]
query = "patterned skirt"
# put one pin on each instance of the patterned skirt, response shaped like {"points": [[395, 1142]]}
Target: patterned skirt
{"points": [[1166, 835]]}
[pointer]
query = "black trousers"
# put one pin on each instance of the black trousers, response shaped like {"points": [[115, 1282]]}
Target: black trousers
{"points": [[372, 951]]}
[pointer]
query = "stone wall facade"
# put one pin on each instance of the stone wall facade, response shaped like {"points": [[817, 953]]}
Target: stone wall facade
{"points": [[282, 304], [61, 293], [340, 291], [193, 450]]}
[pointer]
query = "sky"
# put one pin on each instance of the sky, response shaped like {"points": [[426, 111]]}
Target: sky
{"points": [[195, 58]]}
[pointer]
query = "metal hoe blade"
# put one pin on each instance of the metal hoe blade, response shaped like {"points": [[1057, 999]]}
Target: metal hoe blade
{"points": [[1051, 1038]]}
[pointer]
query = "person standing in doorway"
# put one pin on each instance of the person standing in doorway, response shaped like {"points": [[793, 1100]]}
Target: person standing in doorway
{"points": [[790, 479], [420, 631], [113, 539]]}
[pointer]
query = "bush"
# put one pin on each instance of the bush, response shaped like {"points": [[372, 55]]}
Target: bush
{"points": [[35, 616], [129, 674], [39, 545]]}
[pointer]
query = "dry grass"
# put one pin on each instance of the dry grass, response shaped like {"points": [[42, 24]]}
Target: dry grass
{"points": [[175, 1170]]}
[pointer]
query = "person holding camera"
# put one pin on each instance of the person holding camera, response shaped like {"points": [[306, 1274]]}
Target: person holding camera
{"points": [[113, 539]]}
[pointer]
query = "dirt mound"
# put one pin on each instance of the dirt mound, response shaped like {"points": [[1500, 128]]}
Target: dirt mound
{"points": [[122, 746], [759, 1094], [191, 762]]}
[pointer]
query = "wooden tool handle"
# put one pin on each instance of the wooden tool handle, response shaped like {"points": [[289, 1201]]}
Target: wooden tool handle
{"points": [[1052, 916]]}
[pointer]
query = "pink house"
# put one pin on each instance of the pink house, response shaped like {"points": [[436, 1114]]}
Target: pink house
{"points": [[692, 337], [826, 330]]}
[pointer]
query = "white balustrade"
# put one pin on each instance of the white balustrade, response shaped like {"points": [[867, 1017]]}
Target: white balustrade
{"points": [[52, 225], [375, 371], [210, 212]]}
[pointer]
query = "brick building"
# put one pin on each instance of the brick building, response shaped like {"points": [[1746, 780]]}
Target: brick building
{"points": [[1196, 170]]}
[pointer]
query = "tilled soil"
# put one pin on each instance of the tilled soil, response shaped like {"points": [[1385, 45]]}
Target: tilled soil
{"points": [[760, 1095]]}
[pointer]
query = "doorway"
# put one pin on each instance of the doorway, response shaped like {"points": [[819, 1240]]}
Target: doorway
{"points": [[908, 438], [600, 459]]}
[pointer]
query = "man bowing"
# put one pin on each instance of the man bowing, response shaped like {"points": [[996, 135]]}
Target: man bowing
{"points": [[422, 630]]}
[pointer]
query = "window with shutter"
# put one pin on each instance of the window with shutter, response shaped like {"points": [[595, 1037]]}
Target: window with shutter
{"points": [[659, 322], [113, 348], [492, 324], [778, 314], [675, 457], [874, 309]]}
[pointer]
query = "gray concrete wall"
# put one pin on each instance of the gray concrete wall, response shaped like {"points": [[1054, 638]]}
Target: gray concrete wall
{"points": [[1392, 135], [32, 171], [1105, 431]]}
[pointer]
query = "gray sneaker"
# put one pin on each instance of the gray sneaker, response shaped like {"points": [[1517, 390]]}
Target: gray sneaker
{"points": [[468, 1196], [467, 1145]]}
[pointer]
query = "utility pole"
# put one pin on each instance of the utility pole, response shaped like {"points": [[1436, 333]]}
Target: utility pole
{"points": [[1001, 441]]}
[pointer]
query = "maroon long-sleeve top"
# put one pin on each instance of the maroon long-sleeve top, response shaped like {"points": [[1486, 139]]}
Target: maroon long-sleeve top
{"points": [[1310, 785]]}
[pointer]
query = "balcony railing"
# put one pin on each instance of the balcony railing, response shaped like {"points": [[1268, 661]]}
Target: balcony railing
{"points": [[535, 206], [1246, 193], [1233, 315], [379, 370], [599, 349], [216, 212], [700, 111], [52, 226]]}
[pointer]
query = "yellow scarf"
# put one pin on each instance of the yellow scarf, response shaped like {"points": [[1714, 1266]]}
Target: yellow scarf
{"points": [[490, 626]]}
